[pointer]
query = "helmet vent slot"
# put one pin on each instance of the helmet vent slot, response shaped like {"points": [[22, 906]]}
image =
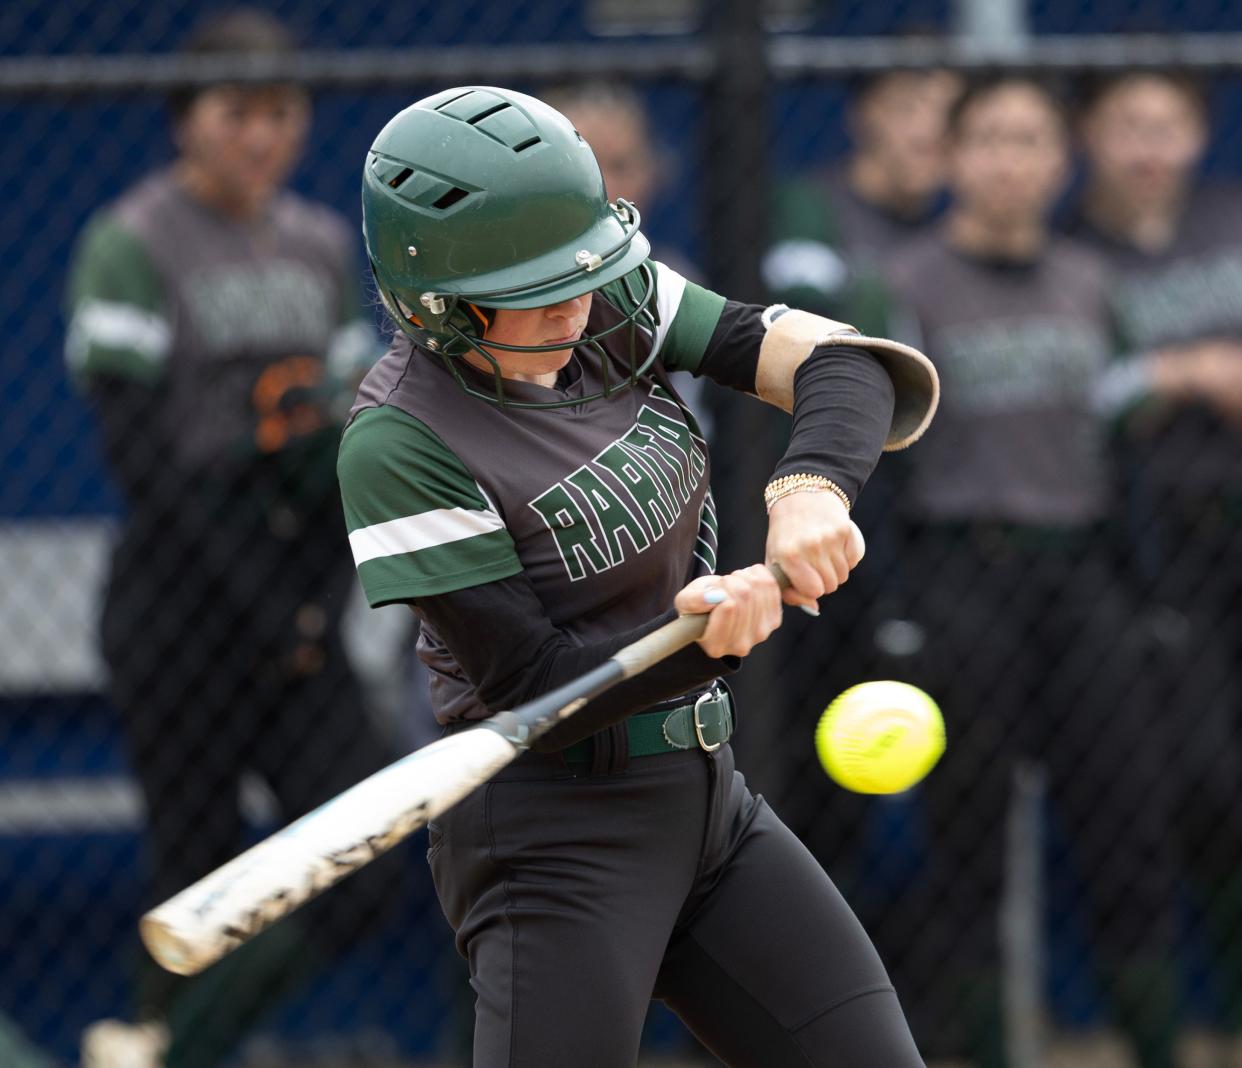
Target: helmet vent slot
{"points": [[450, 198], [397, 179], [474, 120], [451, 96], [528, 143]]}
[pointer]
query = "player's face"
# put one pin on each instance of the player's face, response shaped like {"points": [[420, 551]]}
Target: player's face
{"points": [[1143, 138], [901, 119], [534, 326], [1008, 157], [241, 143]]}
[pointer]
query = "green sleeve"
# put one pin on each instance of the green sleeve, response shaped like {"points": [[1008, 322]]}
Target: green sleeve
{"points": [[118, 324], [686, 315], [805, 267], [801, 210], [419, 524], [691, 329]]}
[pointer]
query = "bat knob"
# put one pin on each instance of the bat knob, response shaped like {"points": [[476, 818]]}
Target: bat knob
{"points": [[172, 951]]}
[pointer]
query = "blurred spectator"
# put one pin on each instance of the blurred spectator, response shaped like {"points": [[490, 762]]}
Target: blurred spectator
{"points": [[834, 231], [892, 182], [613, 120], [1030, 641], [215, 325], [1176, 250]]}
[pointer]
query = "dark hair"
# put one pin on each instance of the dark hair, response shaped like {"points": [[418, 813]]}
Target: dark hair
{"points": [[861, 86], [985, 83], [1093, 87], [927, 35], [242, 30]]}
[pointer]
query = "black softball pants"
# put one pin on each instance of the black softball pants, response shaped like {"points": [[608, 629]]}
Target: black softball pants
{"points": [[577, 899]]}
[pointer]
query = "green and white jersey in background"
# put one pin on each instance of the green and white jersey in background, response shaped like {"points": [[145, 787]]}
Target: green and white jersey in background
{"points": [[829, 252], [241, 327], [605, 506]]}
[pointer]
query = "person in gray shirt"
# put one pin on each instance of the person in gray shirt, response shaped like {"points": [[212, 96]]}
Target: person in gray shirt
{"points": [[1010, 573], [1175, 245], [214, 319]]}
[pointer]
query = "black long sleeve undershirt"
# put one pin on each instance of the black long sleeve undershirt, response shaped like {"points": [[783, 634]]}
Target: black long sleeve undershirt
{"points": [[843, 399], [502, 639], [843, 408]]}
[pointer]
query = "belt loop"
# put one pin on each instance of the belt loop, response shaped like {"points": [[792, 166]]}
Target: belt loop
{"points": [[610, 753], [734, 716], [620, 749], [601, 752]]}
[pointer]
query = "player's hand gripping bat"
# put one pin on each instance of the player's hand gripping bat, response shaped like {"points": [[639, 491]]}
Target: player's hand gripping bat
{"points": [[251, 892]]}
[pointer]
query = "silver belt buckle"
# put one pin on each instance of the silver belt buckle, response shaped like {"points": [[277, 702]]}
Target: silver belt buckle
{"points": [[710, 695]]}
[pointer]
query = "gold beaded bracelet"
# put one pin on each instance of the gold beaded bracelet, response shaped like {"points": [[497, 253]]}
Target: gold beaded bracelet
{"points": [[804, 483]]}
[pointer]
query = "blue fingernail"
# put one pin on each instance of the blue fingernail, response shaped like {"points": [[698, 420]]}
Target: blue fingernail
{"points": [[715, 596], [809, 610]]}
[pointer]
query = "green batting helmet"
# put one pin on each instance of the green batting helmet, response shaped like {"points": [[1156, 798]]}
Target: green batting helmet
{"points": [[480, 198]]}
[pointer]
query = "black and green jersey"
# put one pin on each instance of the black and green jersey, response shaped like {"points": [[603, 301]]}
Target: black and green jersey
{"points": [[600, 504], [239, 326], [604, 506]]}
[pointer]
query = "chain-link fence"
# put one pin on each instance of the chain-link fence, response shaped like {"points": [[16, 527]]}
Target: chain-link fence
{"points": [[1058, 564]]}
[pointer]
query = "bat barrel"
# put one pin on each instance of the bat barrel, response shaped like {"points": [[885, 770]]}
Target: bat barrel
{"points": [[235, 902]]}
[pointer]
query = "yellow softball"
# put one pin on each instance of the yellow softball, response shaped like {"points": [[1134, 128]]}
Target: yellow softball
{"points": [[880, 737]]}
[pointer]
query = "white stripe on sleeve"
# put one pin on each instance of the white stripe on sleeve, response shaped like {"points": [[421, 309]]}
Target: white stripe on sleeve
{"points": [[113, 325], [670, 288], [426, 530]]}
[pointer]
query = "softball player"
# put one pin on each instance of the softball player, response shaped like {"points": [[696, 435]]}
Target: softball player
{"points": [[520, 471]]}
